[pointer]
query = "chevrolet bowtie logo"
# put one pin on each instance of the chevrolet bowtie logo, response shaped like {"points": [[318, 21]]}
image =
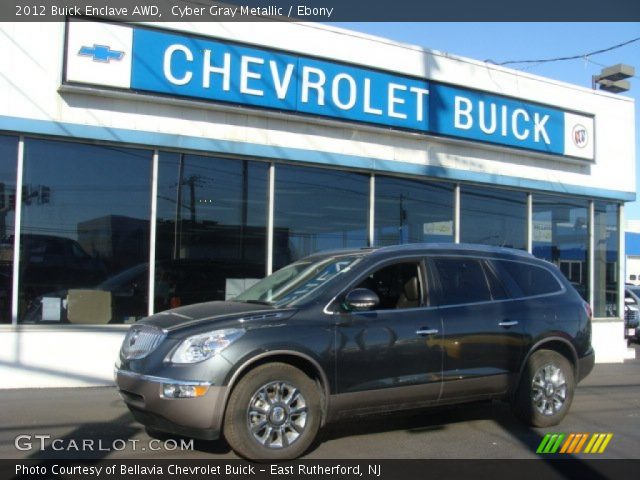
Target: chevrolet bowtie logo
{"points": [[101, 53]]}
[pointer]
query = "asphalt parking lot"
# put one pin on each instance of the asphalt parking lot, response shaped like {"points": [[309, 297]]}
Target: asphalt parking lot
{"points": [[607, 401]]}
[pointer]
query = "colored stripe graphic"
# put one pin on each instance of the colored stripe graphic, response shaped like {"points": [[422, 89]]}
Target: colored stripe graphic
{"points": [[550, 443], [566, 445], [598, 443], [574, 442]]}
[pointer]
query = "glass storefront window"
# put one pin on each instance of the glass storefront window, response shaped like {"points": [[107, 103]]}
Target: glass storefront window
{"points": [[8, 162], [318, 209], [411, 211], [85, 221], [606, 257], [493, 216], [560, 235], [85, 227], [211, 228]]}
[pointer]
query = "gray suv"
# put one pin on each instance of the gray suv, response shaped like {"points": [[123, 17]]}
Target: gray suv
{"points": [[357, 332]]}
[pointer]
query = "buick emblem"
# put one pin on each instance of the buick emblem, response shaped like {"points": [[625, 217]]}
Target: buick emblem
{"points": [[580, 136], [133, 337]]}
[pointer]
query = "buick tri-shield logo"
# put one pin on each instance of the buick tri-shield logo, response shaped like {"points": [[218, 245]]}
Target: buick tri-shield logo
{"points": [[100, 53], [133, 337], [580, 136]]}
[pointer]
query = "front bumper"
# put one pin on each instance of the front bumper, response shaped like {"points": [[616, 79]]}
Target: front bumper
{"points": [[199, 417]]}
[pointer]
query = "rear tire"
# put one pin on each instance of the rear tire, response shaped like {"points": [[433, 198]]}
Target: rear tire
{"points": [[546, 389], [273, 413]]}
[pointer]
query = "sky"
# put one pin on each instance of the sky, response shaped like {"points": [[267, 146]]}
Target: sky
{"points": [[502, 42]]}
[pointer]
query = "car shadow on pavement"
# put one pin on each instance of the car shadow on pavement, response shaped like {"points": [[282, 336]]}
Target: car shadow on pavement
{"points": [[89, 441], [420, 420], [214, 447], [413, 421], [563, 465], [73, 445]]}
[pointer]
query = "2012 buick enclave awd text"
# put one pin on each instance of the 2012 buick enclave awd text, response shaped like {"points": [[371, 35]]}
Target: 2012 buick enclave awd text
{"points": [[356, 332]]}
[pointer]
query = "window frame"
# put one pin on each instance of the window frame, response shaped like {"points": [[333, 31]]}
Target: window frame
{"points": [[334, 307]]}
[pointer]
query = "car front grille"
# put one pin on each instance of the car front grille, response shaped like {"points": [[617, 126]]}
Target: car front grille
{"points": [[630, 315], [140, 341]]}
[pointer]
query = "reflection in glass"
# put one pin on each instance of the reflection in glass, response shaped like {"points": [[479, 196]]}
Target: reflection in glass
{"points": [[492, 216], [8, 159], [318, 209], [298, 281], [211, 228], [605, 261], [411, 211], [85, 218], [560, 235]]}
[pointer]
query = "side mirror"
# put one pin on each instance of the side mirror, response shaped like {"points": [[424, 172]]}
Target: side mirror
{"points": [[361, 299], [629, 301]]}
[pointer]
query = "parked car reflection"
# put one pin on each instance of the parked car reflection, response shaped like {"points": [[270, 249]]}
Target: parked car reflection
{"points": [[123, 298], [47, 263]]}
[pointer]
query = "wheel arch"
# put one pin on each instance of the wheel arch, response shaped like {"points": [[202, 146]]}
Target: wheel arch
{"points": [[296, 359], [557, 344]]}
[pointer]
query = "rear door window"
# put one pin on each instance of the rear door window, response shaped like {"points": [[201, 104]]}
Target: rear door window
{"points": [[462, 280]]}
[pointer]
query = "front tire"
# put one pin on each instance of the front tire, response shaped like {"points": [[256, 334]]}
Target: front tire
{"points": [[273, 413], [546, 389]]}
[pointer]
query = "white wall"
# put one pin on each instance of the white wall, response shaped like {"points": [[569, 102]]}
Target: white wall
{"points": [[609, 343], [633, 268], [58, 356]]}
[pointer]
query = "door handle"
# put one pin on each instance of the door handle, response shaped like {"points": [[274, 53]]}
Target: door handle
{"points": [[426, 331], [508, 323]]}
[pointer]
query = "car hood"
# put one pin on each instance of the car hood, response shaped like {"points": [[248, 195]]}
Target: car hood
{"points": [[201, 313]]}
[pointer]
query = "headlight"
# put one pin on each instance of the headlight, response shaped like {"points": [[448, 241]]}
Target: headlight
{"points": [[205, 345]]}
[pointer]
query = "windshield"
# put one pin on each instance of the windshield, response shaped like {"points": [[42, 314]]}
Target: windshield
{"points": [[298, 280]]}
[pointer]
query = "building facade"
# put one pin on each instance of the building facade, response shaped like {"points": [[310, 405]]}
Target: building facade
{"points": [[165, 164]]}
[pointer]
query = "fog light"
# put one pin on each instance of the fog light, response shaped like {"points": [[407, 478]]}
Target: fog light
{"points": [[183, 391]]}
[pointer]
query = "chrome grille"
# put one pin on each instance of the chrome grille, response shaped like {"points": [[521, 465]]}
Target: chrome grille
{"points": [[631, 316], [140, 341]]}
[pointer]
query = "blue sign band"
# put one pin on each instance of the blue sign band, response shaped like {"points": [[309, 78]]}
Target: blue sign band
{"points": [[188, 66], [489, 118], [212, 70]]}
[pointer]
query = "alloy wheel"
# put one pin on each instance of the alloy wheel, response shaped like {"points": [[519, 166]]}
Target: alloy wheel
{"points": [[549, 390], [277, 414]]}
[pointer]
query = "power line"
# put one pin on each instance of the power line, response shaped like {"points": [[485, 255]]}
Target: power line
{"points": [[573, 57]]}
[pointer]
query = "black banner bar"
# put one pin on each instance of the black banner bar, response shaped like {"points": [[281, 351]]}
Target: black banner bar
{"points": [[322, 10], [542, 468]]}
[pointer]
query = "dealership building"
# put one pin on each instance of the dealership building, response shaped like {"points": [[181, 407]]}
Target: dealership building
{"points": [[163, 164]]}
